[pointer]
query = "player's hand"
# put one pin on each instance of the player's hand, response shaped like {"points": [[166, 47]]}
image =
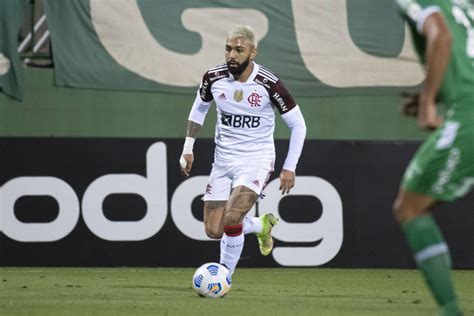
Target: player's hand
{"points": [[287, 181], [428, 117], [186, 164]]}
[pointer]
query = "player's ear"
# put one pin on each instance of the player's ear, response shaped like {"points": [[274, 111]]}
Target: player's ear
{"points": [[253, 53]]}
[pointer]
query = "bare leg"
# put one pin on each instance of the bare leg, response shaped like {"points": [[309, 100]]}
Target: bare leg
{"points": [[213, 216], [409, 205], [240, 202]]}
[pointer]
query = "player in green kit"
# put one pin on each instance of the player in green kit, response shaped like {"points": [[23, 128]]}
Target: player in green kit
{"points": [[443, 167]]}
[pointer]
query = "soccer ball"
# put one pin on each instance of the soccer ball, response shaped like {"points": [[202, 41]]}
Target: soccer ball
{"points": [[212, 280]]}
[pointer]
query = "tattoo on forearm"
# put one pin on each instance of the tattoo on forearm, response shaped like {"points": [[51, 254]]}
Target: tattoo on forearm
{"points": [[193, 129]]}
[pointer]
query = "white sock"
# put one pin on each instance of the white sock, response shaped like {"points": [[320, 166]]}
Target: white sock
{"points": [[251, 225], [231, 249]]}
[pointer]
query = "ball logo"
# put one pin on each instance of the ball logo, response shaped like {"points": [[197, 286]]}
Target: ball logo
{"points": [[198, 281], [214, 288], [254, 99], [213, 269]]}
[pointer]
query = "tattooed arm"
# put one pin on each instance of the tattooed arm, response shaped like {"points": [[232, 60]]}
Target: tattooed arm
{"points": [[187, 157]]}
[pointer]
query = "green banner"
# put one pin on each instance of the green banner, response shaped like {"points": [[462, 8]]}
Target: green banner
{"points": [[11, 71], [319, 48]]}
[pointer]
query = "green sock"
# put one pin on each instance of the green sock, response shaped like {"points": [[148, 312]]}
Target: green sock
{"points": [[432, 257]]}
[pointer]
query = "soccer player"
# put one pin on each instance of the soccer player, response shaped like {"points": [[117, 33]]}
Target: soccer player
{"points": [[246, 95], [443, 167]]}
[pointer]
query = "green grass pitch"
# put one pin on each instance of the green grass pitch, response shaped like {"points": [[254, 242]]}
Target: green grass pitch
{"points": [[167, 291]]}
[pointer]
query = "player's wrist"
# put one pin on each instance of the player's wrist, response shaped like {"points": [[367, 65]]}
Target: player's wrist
{"points": [[289, 167], [188, 145], [427, 97]]}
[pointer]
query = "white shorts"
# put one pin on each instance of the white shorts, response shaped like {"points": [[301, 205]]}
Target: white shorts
{"points": [[225, 177]]}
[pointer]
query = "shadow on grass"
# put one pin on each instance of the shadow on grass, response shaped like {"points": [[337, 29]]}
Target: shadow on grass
{"points": [[167, 288]]}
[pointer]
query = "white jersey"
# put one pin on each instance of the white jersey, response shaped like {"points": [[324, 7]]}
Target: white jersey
{"points": [[245, 111]]}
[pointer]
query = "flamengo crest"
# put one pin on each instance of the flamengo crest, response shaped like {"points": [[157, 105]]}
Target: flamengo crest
{"points": [[254, 99]]}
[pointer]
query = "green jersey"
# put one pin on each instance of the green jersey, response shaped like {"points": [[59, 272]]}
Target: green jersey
{"points": [[443, 166], [458, 83]]}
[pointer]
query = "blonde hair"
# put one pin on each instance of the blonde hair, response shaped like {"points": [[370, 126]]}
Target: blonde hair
{"points": [[244, 31]]}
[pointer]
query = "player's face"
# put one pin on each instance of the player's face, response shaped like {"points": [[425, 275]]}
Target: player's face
{"points": [[238, 54]]}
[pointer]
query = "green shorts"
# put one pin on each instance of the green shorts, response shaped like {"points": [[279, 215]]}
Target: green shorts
{"points": [[443, 167]]}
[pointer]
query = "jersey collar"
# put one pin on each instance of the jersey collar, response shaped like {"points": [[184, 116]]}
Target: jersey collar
{"points": [[252, 75]]}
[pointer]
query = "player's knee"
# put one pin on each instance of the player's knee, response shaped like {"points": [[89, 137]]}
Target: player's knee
{"points": [[213, 234], [403, 212], [213, 230], [409, 205], [397, 211]]}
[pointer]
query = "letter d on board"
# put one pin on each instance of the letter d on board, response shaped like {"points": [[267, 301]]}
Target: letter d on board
{"points": [[152, 188]]}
